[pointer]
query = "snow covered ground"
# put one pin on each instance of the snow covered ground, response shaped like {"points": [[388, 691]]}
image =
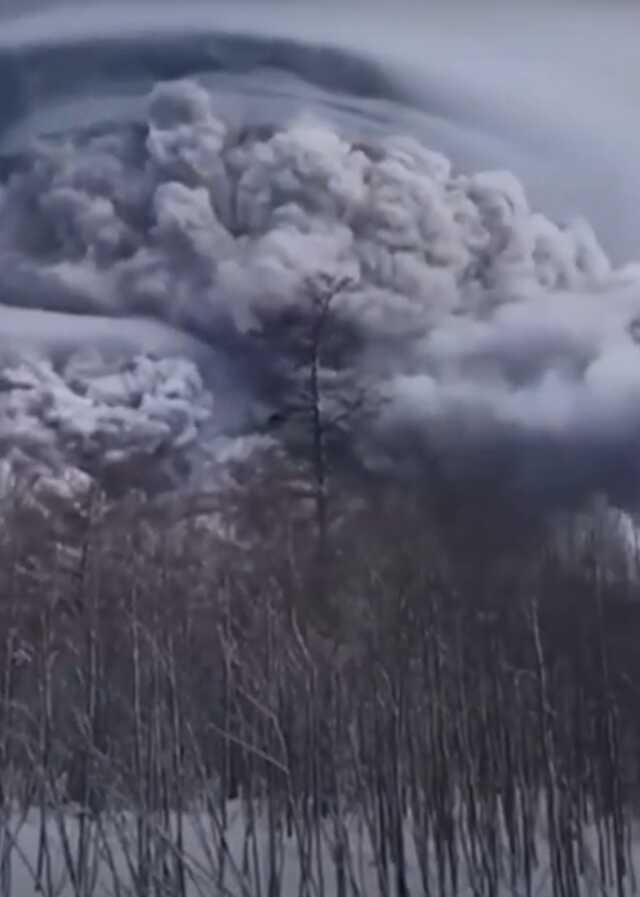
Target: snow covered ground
{"points": [[251, 859]]}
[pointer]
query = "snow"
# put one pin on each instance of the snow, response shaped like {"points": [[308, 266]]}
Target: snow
{"points": [[110, 848]]}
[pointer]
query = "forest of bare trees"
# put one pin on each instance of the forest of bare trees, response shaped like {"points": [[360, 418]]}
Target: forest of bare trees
{"points": [[312, 682], [457, 703]]}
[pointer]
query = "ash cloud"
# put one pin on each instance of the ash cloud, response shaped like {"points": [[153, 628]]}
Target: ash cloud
{"points": [[105, 420], [489, 334]]}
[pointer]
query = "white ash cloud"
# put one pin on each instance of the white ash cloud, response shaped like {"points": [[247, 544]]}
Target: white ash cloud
{"points": [[483, 323], [95, 418]]}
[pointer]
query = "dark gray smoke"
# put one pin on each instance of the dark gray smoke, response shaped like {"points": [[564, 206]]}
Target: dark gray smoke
{"points": [[163, 199]]}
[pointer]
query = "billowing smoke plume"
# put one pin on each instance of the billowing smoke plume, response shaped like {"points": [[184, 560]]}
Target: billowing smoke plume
{"points": [[108, 420], [486, 334]]}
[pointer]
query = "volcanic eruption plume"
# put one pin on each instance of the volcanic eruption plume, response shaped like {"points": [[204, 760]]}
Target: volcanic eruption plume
{"points": [[172, 187]]}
